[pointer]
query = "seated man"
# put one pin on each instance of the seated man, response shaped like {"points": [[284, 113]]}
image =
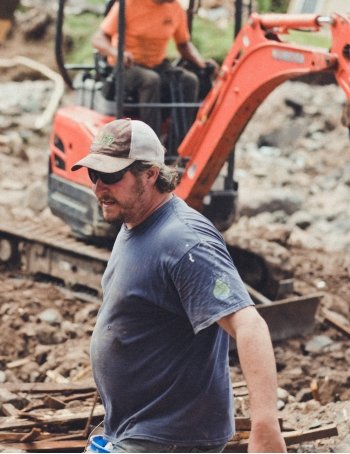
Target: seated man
{"points": [[149, 25]]}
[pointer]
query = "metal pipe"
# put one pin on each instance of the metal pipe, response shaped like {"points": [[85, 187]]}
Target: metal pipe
{"points": [[190, 12], [229, 178], [120, 61], [325, 20], [238, 16], [58, 44]]}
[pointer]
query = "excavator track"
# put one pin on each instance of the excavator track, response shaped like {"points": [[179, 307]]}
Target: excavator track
{"points": [[37, 249]]}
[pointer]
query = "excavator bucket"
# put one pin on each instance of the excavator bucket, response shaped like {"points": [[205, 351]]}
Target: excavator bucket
{"points": [[288, 317]]}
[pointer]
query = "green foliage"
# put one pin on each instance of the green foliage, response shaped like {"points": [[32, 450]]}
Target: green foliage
{"points": [[318, 40], [81, 28], [272, 6], [264, 6], [97, 2], [212, 41]]}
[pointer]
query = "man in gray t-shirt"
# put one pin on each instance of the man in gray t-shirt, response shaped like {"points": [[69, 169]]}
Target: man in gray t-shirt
{"points": [[171, 299]]}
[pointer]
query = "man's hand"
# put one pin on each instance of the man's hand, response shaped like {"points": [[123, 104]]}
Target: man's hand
{"points": [[266, 438], [128, 59], [213, 64]]}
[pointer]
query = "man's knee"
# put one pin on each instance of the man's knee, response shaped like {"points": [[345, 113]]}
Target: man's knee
{"points": [[190, 79], [190, 85], [151, 80]]}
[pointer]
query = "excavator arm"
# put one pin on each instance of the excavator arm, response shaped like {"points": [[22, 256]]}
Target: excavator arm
{"points": [[257, 63]]}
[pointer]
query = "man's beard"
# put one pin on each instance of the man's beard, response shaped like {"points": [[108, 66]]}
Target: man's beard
{"points": [[126, 210]]}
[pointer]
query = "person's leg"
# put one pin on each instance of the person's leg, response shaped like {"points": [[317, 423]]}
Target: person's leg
{"points": [[217, 448], [182, 86], [134, 445], [147, 84], [190, 89], [141, 446]]}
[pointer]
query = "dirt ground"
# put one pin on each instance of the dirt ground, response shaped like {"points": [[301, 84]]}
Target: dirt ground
{"points": [[51, 329]]}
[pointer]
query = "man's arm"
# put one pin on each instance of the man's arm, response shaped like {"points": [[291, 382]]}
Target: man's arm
{"points": [[189, 52], [102, 42], [258, 365]]}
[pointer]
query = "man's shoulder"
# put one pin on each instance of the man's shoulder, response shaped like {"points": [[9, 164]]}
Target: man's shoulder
{"points": [[185, 214], [183, 223]]}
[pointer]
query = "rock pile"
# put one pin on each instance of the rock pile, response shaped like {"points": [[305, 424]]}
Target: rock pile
{"points": [[293, 166]]}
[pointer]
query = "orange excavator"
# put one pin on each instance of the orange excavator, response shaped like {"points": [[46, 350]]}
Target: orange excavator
{"points": [[7, 11], [258, 61]]}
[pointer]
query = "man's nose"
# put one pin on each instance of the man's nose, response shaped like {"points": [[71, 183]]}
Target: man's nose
{"points": [[99, 186]]}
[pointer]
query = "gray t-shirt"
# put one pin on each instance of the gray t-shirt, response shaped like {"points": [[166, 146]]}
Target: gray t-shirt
{"points": [[159, 360]]}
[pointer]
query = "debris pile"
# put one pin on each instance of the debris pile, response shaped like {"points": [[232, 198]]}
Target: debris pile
{"points": [[47, 395], [52, 417]]}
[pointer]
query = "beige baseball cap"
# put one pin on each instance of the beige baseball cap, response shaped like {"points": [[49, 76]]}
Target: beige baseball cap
{"points": [[119, 143]]}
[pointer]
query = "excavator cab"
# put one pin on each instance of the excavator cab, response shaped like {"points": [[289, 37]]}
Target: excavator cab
{"points": [[104, 91], [101, 97]]}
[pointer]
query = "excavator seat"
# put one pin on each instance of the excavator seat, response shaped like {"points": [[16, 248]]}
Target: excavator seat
{"points": [[96, 90]]}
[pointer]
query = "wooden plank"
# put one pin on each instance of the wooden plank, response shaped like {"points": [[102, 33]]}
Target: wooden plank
{"points": [[21, 436], [12, 436], [336, 320], [60, 417], [70, 387], [82, 396], [300, 436], [291, 438], [69, 436], [241, 392], [54, 403], [242, 423], [66, 416], [33, 435], [9, 410], [53, 446], [12, 423], [239, 384], [241, 435]]}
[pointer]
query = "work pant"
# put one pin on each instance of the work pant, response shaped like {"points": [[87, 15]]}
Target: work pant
{"points": [[141, 446], [151, 83], [97, 443]]}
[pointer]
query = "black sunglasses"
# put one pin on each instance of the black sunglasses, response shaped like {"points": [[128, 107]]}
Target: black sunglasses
{"points": [[107, 178]]}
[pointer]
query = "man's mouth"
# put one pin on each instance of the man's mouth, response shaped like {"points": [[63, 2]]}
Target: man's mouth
{"points": [[106, 201]]}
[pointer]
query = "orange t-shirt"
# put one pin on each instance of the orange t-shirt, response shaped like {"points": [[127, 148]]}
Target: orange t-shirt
{"points": [[148, 28]]}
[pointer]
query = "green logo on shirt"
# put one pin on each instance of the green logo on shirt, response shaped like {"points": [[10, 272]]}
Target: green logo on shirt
{"points": [[221, 290]]}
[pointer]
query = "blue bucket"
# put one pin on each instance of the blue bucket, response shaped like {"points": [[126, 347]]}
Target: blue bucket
{"points": [[97, 444]]}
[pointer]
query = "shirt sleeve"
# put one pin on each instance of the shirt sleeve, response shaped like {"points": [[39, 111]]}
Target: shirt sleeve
{"points": [[209, 285], [182, 34], [109, 24]]}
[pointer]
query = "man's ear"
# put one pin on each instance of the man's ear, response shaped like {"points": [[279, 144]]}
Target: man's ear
{"points": [[152, 173]]}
